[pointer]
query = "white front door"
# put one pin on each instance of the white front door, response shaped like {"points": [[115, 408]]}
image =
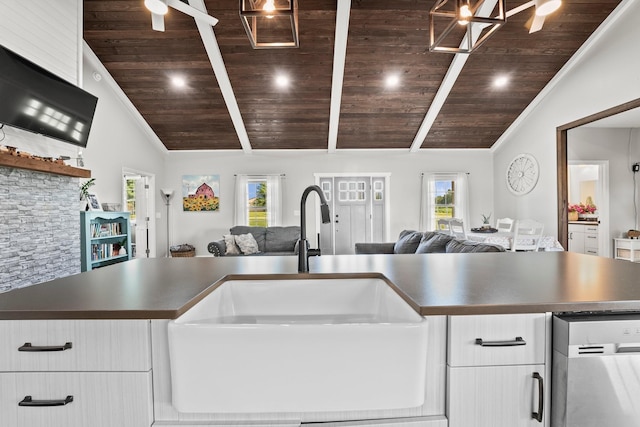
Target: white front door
{"points": [[358, 212]]}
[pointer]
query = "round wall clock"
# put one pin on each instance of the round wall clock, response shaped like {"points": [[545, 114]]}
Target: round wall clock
{"points": [[522, 174]]}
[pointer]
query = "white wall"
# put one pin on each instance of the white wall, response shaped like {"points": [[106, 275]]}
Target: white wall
{"points": [[608, 74], [50, 35], [621, 147], [199, 228], [120, 139]]}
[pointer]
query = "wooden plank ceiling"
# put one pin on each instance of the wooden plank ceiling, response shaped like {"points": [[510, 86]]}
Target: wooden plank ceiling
{"points": [[385, 37]]}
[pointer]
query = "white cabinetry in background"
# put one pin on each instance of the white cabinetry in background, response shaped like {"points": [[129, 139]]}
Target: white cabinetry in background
{"points": [[497, 371], [628, 249], [583, 238], [75, 373]]}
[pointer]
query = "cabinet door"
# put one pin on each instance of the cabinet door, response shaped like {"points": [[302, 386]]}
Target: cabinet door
{"points": [[497, 339], [71, 399], [576, 241], [495, 396], [591, 243], [75, 345]]}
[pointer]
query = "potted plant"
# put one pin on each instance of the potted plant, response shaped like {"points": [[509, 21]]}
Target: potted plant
{"points": [[485, 221], [84, 193]]}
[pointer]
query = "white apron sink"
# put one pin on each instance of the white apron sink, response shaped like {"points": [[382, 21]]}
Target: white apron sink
{"points": [[298, 345]]}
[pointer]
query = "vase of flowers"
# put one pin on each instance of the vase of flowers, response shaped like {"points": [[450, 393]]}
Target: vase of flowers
{"points": [[582, 210]]}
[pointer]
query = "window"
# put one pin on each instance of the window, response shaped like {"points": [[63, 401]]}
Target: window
{"points": [[444, 198], [444, 195], [258, 200], [352, 191], [131, 198], [257, 203]]}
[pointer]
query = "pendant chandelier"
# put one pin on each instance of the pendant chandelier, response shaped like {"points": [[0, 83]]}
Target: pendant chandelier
{"points": [[473, 22], [270, 23], [470, 21]]}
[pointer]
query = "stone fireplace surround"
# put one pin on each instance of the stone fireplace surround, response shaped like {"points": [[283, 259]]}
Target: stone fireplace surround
{"points": [[39, 227]]}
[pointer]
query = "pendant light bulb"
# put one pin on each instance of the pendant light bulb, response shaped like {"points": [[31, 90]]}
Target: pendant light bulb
{"points": [[269, 6], [464, 13]]}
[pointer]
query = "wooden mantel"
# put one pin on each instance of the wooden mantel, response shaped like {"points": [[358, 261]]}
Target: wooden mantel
{"points": [[13, 161]]}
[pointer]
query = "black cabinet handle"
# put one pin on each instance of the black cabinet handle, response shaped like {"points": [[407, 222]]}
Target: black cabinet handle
{"points": [[28, 401], [28, 347], [510, 343], [538, 415]]}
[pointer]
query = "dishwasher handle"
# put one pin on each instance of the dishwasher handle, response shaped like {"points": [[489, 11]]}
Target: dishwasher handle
{"points": [[628, 349], [538, 415], [509, 343]]}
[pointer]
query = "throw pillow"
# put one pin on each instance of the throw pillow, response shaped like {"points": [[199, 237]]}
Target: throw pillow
{"points": [[407, 242], [230, 243], [247, 244], [434, 243]]}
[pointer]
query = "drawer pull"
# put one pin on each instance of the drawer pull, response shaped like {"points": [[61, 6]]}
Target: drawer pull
{"points": [[538, 415], [28, 347], [28, 401], [512, 343]]}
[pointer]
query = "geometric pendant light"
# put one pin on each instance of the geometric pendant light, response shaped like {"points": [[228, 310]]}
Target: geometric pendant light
{"points": [[461, 26], [270, 23]]}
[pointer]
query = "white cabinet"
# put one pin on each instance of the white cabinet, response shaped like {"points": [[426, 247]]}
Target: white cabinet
{"points": [[628, 249], [75, 373], [583, 238], [73, 399], [496, 370]]}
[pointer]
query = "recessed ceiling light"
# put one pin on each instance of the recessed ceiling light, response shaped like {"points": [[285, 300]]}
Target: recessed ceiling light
{"points": [[282, 81], [501, 81], [392, 81], [178, 81]]}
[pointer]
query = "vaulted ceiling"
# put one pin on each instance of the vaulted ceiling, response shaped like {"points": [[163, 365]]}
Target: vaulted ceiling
{"points": [[384, 38]]}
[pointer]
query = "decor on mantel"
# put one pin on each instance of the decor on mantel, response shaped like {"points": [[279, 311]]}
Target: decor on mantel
{"points": [[473, 22], [11, 157], [270, 23]]}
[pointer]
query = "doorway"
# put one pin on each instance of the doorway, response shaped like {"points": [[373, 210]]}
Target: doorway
{"points": [[138, 199], [588, 183], [561, 150], [359, 206]]}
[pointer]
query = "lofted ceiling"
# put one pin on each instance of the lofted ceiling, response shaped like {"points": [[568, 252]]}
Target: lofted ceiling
{"points": [[384, 38]]}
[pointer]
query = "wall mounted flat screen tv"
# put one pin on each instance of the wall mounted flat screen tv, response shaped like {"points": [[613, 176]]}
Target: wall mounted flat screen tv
{"points": [[33, 99]]}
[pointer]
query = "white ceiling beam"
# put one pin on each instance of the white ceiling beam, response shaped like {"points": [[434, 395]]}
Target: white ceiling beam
{"points": [[339, 59], [215, 57], [455, 68]]}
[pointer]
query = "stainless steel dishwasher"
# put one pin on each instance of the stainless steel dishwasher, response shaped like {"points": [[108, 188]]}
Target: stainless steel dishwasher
{"points": [[596, 370]]}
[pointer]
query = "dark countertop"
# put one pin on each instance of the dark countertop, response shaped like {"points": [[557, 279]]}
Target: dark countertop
{"points": [[434, 284]]}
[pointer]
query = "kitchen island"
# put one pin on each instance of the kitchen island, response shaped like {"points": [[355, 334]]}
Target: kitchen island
{"points": [[111, 323], [434, 284]]}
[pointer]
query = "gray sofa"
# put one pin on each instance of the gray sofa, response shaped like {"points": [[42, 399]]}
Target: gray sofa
{"points": [[271, 240], [417, 242]]}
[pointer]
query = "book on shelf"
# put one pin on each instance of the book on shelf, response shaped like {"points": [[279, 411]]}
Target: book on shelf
{"points": [[102, 251], [105, 230]]}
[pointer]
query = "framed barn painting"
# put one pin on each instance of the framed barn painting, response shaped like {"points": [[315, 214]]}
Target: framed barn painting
{"points": [[200, 193]]}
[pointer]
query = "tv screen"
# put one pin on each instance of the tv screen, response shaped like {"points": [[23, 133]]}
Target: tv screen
{"points": [[33, 99]]}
